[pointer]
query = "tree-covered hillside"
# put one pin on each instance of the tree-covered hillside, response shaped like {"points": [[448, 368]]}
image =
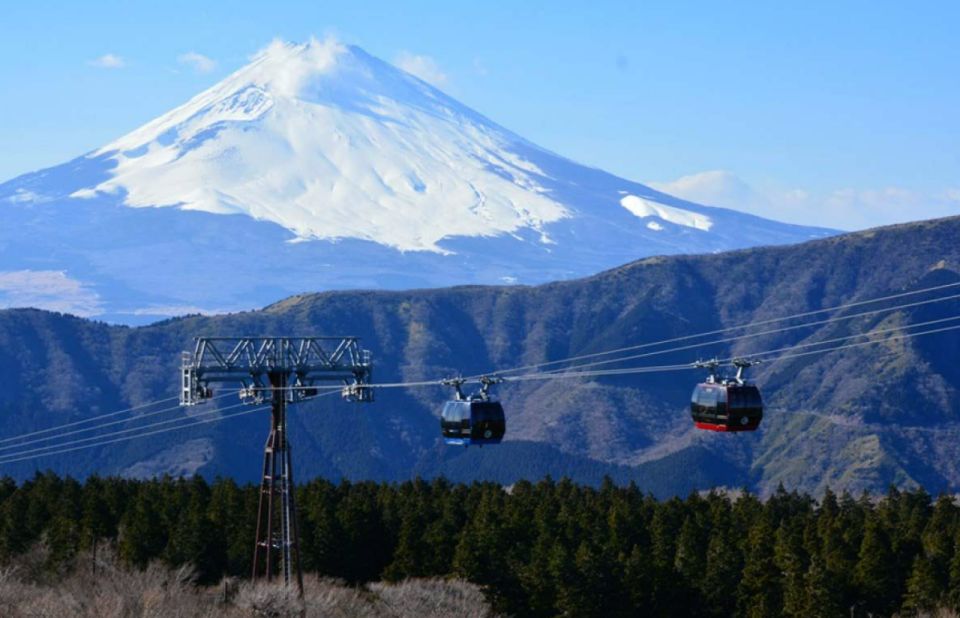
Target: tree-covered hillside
{"points": [[544, 549]]}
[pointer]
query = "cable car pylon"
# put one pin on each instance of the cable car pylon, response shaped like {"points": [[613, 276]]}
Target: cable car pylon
{"points": [[289, 369]]}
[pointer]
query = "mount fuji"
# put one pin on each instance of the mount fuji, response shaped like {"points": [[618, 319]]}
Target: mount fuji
{"points": [[318, 166]]}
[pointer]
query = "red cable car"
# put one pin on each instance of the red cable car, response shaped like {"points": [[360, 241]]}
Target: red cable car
{"points": [[726, 404]]}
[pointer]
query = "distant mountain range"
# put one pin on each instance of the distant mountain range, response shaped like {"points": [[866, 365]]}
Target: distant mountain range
{"points": [[319, 167], [854, 418]]}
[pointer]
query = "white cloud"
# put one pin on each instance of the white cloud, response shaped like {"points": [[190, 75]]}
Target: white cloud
{"points": [[197, 61], [844, 208], [52, 290], [178, 310], [424, 67], [22, 195], [109, 61]]}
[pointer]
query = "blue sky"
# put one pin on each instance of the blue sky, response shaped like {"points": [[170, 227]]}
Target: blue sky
{"points": [[842, 114]]}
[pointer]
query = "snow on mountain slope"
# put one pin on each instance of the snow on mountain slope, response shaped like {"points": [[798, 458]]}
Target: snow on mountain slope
{"points": [[338, 170], [351, 153]]}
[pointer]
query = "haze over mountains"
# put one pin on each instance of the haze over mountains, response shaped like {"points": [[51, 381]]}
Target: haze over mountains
{"points": [[316, 167], [855, 418]]}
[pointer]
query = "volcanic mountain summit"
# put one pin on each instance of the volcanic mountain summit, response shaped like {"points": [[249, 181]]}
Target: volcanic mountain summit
{"points": [[319, 166]]}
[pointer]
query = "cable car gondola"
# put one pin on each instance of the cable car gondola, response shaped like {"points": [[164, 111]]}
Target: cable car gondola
{"points": [[726, 404], [472, 420]]}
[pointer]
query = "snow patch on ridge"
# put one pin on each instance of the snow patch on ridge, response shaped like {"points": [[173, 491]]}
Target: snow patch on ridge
{"points": [[646, 208]]}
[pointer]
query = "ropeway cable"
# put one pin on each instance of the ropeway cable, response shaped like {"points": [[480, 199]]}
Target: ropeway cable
{"points": [[87, 420], [866, 334], [863, 343], [564, 371], [727, 361], [121, 432], [623, 371], [758, 334], [99, 426], [722, 330], [25, 457], [665, 368], [433, 382], [580, 357], [7, 458]]}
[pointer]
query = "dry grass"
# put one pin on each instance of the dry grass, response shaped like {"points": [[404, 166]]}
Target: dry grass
{"points": [[115, 591]]}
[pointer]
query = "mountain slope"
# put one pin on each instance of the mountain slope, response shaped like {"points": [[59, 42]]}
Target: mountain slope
{"points": [[856, 418], [318, 166]]}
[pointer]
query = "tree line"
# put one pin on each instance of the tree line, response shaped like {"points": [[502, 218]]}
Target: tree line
{"points": [[538, 549]]}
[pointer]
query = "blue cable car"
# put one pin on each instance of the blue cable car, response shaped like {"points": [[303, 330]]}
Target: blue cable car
{"points": [[472, 420]]}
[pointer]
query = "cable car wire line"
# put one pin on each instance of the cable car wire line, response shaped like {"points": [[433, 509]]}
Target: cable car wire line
{"points": [[87, 420], [102, 425], [866, 334], [15, 457], [758, 334], [433, 382], [546, 375], [3, 458], [863, 343], [719, 331], [10, 457], [729, 361], [143, 435], [568, 372]]}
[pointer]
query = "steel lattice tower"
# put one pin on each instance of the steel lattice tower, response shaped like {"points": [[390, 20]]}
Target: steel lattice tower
{"points": [[289, 369]]}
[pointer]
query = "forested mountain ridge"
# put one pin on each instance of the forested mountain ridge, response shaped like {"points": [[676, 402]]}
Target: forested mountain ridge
{"points": [[856, 418]]}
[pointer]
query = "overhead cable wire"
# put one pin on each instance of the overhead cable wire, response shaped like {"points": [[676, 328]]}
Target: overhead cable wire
{"points": [[119, 432], [24, 457], [574, 373], [863, 343], [866, 334], [16, 457], [636, 370], [100, 426], [3, 458], [87, 420], [759, 334], [722, 330]]}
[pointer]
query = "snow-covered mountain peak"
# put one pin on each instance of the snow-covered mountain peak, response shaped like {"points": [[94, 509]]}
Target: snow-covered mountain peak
{"points": [[344, 171], [331, 143]]}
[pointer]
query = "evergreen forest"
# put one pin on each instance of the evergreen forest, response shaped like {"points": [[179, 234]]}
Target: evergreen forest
{"points": [[536, 549]]}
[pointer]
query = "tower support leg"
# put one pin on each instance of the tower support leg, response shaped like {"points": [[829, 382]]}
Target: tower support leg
{"points": [[277, 532]]}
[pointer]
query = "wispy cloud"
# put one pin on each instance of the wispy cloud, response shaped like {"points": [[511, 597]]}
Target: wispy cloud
{"points": [[52, 290], [109, 61], [843, 208], [480, 68], [179, 310], [424, 67], [197, 61]]}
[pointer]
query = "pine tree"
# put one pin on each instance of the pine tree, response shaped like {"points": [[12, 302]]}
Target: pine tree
{"points": [[875, 573], [229, 514], [759, 593], [791, 561], [923, 590], [938, 536], [823, 597], [953, 587], [143, 536]]}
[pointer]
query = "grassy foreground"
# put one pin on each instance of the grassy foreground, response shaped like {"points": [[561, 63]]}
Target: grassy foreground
{"points": [[106, 588]]}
